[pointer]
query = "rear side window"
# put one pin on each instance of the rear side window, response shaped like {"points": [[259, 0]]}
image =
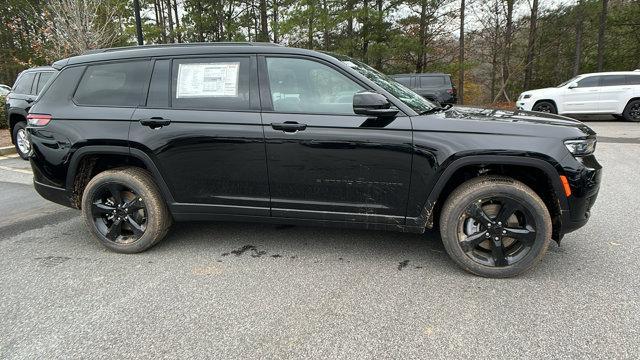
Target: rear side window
{"points": [[23, 86], [431, 81], [590, 81], [159, 86], [404, 80], [211, 83], [115, 84], [613, 80], [633, 79], [42, 81]]}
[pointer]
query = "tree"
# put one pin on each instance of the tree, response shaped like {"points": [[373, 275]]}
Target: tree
{"points": [[601, 30], [531, 44], [461, 56], [578, 52]]}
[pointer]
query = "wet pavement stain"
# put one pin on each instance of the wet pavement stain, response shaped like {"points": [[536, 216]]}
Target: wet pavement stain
{"points": [[403, 264], [51, 261]]}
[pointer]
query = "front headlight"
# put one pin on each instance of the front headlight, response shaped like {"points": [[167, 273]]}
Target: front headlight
{"points": [[526, 96], [581, 147]]}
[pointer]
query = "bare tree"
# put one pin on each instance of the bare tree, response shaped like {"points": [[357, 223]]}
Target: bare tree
{"points": [[603, 24], [80, 25], [578, 54], [528, 70], [461, 55]]}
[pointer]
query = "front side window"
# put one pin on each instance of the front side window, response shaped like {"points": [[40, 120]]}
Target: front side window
{"points": [[300, 85], [614, 80], [590, 81], [23, 85], [115, 84], [211, 83]]}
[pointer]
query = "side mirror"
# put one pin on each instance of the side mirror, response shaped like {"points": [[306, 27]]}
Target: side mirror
{"points": [[573, 85], [372, 104]]}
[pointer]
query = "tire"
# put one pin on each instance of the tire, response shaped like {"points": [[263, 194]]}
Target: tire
{"points": [[21, 140], [545, 107], [632, 111], [466, 240], [141, 220]]}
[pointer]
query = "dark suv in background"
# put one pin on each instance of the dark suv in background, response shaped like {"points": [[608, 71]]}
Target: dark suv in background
{"points": [[139, 137], [432, 86], [19, 100]]}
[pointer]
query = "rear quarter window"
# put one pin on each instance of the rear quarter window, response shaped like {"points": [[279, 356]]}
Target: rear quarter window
{"points": [[432, 81], [113, 84], [23, 85], [633, 79]]}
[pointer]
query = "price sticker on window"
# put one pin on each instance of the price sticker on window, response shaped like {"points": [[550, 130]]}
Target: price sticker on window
{"points": [[208, 80]]}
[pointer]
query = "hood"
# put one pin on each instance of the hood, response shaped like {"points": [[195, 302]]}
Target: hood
{"points": [[516, 116], [536, 91]]}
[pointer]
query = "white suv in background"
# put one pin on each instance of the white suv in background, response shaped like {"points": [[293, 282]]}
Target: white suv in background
{"points": [[613, 93]]}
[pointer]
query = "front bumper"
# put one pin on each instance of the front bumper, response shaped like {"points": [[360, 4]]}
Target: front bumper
{"points": [[584, 179]]}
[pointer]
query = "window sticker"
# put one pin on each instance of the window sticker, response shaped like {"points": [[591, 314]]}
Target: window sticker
{"points": [[208, 80]]}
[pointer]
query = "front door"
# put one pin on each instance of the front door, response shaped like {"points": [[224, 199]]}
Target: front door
{"points": [[201, 126], [324, 161], [584, 98]]}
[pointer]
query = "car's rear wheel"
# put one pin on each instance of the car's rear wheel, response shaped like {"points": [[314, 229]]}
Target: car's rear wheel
{"points": [[632, 111], [125, 210], [545, 107], [21, 140], [495, 227]]}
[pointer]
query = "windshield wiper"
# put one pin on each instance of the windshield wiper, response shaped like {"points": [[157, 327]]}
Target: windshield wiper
{"points": [[436, 109]]}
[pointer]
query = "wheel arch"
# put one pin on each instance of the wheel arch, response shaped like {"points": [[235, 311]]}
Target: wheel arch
{"points": [[82, 168], [458, 171], [14, 118]]}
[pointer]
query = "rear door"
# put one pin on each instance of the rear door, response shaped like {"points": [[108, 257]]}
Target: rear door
{"points": [[325, 162], [583, 99], [614, 93], [431, 86], [201, 126]]}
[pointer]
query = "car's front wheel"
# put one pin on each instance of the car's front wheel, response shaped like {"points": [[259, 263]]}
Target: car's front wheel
{"points": [[21, 140], [124, 210], [545, 107], [495, 226]]}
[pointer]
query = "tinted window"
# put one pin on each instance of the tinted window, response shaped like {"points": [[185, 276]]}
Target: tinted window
{"points": [[613, 80], [117, 84], [431, 81], [23, 86], [211, 83], [589, 81], [406, 81], [633, 79], [159, 86], [299, 85], [42, 81]]}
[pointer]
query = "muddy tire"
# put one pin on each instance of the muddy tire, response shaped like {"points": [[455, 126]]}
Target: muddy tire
{"points": [[124, 210], [495, 226]]}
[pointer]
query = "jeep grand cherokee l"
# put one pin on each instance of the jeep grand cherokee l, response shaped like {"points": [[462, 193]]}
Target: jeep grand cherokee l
{"points": [[609, 93], [139, 137]]}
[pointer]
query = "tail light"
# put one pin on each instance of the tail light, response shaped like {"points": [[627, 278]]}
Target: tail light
{"points": [[452, 91], [38, 119]]}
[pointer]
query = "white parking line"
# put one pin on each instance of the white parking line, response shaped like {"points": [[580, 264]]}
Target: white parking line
{"points": [[22, 171]]}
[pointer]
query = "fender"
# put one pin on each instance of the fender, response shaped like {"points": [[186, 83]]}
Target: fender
{"points": [[426, 215], [118, 150]]}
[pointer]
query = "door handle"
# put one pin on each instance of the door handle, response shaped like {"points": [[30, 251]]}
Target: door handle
{"points": [[289, 126], [155, 122]]}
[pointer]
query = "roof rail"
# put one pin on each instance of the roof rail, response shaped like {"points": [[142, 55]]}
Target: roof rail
{"points": [[636, 70], [155, 46]]}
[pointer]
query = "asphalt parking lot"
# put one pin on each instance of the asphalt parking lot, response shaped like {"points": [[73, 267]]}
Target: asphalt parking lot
{"points": [[236, 290]]}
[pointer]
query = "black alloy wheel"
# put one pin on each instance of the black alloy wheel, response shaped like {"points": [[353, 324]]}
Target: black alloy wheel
{"points": [[545, 107], [119, 214], [633, 113], [496, 231]]}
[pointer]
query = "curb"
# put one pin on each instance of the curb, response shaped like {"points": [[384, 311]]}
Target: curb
{"points": [[7, 150]]}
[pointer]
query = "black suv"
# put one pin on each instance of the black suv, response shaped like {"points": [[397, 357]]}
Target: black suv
{"points": [[140, 137], [432, 86], [24, 92]]}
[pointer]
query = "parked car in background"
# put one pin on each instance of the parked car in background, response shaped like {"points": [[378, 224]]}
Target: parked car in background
{"points": [[608, 93], [19, 100], [139, 137], [431, 86], [4, 89]]}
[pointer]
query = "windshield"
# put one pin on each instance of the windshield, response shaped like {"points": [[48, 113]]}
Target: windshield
{"points": [[568, 81], [407, 96]]}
